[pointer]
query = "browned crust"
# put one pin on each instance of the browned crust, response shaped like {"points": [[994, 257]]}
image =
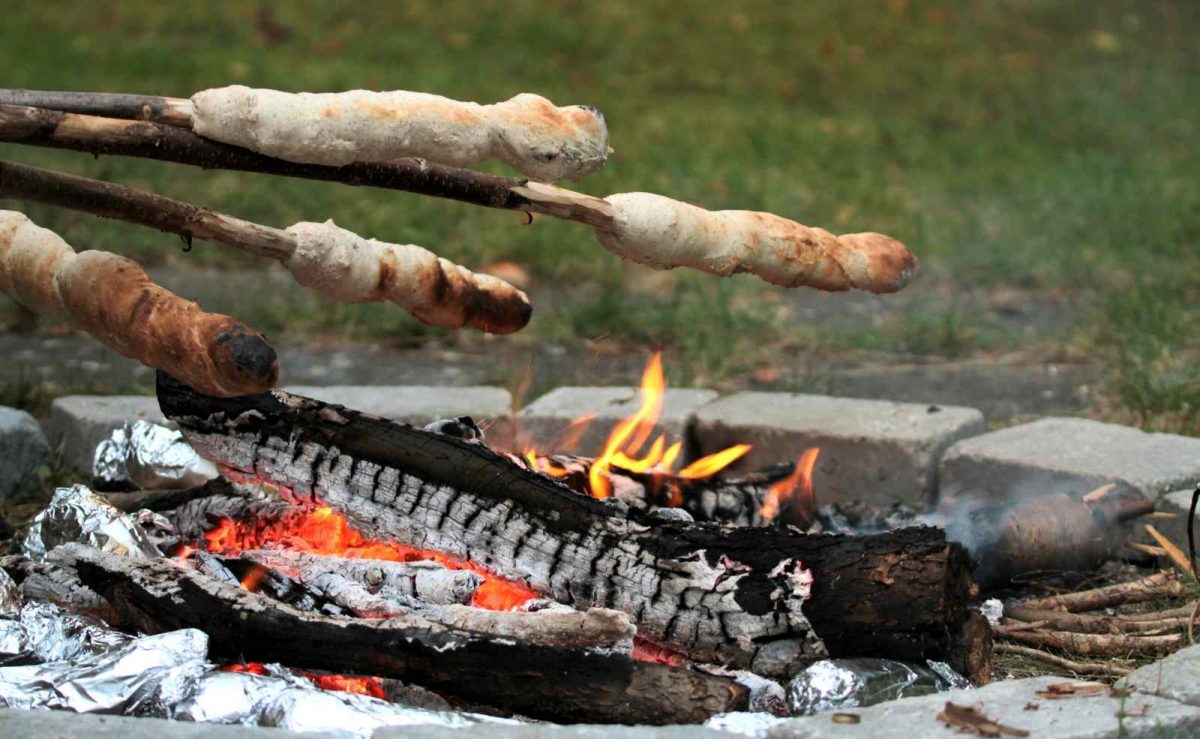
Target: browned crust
{"points": [[114, 300]]}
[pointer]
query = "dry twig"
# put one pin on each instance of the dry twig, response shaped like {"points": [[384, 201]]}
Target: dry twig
{"points": [[1080, 668]]}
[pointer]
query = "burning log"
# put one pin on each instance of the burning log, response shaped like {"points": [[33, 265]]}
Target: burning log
{"points": [[739, 596], [333, 261], [114, 300], [649, 229], [423, 582], [739, 500], [571, 667]]}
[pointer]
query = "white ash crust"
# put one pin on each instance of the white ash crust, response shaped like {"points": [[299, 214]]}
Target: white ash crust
{"points": [[528, 132]]}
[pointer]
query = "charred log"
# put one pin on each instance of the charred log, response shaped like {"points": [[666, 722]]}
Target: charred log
{"points": [[732, 595], [532, 672]]}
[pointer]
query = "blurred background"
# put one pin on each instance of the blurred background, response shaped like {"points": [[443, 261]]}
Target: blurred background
{"points": [[1041, 158]]}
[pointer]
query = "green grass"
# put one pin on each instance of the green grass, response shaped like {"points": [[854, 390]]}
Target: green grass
{"points": [[1027, 144]]}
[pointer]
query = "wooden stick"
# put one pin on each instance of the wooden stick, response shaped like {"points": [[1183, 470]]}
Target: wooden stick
{"points": [[1159, 585], [333, 261], [171, 111], [1108, 645], [1082, 668], [1084, 623], [646, 228], [129, 204], [148, 140]]}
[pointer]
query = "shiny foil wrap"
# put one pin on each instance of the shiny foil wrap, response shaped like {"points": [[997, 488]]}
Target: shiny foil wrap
{"points": [[147, 456], [76, 514], [839, 684], [43, 632], [283, 700], [10, 596], [145, 677]]}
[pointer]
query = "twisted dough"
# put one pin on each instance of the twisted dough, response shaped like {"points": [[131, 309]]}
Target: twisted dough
{"points": [[540, 140], [664, 233], [348, 268], [112, 298]]}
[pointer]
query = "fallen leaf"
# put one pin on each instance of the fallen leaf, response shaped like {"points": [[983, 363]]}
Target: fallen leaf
{"points": [[1031, 706], [847, 718], [970, 720], [1061, 691], [765, 374]]}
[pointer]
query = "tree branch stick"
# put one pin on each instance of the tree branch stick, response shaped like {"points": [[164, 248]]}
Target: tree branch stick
{"points": [[406, 275], [1082, 668], [1108, 645], [1159, 585], [148, 140], [129, 204], [167, 110]]}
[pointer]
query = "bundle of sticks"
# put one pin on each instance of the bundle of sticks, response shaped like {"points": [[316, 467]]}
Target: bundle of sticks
{"points": [[1066, 625], [398, 140]]}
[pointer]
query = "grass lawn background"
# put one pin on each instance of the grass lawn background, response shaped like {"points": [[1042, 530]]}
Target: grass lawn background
{"points": [[1024, 147]]}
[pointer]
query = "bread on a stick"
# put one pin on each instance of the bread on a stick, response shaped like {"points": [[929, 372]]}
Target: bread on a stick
{"points": [[113, 299], [664, 233], [528, 132], [346, 267]]}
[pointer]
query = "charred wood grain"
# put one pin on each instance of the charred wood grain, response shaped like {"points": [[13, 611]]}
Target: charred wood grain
{"points": [[714, 593], [540, 680]]}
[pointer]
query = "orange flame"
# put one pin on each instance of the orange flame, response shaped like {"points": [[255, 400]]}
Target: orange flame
{"points": [[630, 434], [371, 686], [714, 463], [254, 577], [798, 484]]}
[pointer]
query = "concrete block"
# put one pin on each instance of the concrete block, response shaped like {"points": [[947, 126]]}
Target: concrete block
{"points": [[547, 420], [873, 451], [23, 447], [78, 423], [1073, 455], [491, 407], [547, 731], [1176, 677], [16, 723], [1093, 716]]}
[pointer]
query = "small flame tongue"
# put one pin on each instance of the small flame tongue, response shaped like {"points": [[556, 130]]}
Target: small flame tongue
{"points": [[796, 488], [623, 449]]}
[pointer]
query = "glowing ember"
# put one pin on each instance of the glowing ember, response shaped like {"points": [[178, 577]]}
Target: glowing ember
{"points": [[371, 686], [797, 485], [324, 531]]}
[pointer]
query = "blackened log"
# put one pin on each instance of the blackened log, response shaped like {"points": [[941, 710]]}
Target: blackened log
{"points": [[534, 676], [714, 593], [57, 583]]}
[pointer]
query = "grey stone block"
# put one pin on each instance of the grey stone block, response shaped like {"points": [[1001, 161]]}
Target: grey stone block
{"points": [[78, 423], [548, 731], [491, 407], [1176, 677], [871, 450], [1069, 455], [23, 447], [19, 724], [1091, 717], [546, 421]]}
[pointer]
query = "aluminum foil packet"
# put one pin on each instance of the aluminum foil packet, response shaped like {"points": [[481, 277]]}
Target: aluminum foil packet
{"points": [[146, 456], [144, 677], [10, 596], [286, 701], [43, 632], [76, 514], [857, 682]]}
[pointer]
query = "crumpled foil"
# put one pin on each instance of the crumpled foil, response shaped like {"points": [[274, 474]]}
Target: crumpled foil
{"points": [[146, 456], [43, 632], [993, 610], [76, 514], [857, 682], [144, 677], [10, 596], [283, 700]]}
